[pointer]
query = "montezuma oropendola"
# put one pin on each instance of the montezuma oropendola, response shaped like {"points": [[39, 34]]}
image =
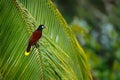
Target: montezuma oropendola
{"points": [[36, 35]]}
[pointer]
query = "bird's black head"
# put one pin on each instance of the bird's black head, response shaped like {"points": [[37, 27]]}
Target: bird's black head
{"points": [[41, 27]]}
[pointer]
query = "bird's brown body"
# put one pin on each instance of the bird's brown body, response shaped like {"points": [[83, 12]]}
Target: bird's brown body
{"points": [[34, 39]]}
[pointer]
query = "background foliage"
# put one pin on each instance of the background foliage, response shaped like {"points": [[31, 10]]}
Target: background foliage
{"points": [[97, 27], [59, 56]]}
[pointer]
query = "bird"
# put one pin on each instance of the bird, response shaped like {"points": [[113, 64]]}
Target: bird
{"points": [[36, 35]]}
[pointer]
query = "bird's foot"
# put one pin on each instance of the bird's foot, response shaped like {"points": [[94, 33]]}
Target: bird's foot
{"points": [[37, 45]]}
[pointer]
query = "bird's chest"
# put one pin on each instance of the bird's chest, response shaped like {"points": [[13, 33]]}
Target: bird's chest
{"points": [[35, 37]]}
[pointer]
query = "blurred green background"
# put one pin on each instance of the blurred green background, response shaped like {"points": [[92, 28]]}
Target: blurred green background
{"points": [[96, 24]]}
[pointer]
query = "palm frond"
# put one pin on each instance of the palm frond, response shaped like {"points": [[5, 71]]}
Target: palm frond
{"points": [[59, 55]]}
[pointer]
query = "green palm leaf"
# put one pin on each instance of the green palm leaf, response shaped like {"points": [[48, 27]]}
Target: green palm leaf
{"points": [[59, 55]]}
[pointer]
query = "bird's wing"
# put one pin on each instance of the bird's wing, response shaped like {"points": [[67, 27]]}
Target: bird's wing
{"points": [[35, 37]]}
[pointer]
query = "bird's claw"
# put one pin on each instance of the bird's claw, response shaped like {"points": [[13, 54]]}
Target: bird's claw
{"points": [[36, 45]]}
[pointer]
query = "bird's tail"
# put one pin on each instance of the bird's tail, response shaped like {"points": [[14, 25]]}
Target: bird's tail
{"points": [[28, 48], [27, 52]]}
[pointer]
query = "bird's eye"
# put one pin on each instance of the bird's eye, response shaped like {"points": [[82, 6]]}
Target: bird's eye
{"points": [[43, 26]]}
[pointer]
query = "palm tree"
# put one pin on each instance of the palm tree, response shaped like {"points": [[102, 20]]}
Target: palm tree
{"points": [[59, 56]]}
